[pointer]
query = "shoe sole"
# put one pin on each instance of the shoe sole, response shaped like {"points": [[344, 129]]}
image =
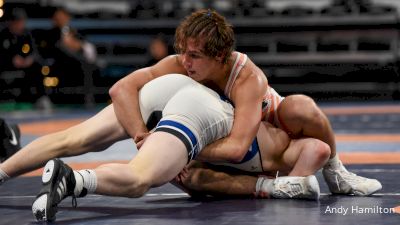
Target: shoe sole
{"points": [[313, 187], [41, 207], [357, 193], [348, 190]]}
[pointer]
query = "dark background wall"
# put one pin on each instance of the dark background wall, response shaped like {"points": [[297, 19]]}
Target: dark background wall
{"points": [[328, 49]]}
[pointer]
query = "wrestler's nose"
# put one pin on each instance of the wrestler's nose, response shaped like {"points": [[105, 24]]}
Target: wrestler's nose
{"points": [[186, 61]]}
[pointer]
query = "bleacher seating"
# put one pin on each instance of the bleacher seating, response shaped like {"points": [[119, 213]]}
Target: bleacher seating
{"points": [[293, 41]]}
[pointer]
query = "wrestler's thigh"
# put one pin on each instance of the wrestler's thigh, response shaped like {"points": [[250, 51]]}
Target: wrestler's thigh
{"points": [[272, 142], [160, 158], [295, 149], [294, 111], [96, 133]]}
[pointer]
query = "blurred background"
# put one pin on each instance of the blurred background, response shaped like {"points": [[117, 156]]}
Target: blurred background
{"points": [[57, 53]]}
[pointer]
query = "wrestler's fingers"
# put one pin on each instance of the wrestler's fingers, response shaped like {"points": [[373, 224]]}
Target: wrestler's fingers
{"points": [[185, 171], [178, 179], [141, 136], [139, 144]]}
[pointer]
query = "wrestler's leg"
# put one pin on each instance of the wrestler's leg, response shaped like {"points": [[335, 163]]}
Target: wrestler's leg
{"points": [[279, 153], [294, 157], [306, 156], [201, 179], [95, 134], [159, 160], [300, 116]]}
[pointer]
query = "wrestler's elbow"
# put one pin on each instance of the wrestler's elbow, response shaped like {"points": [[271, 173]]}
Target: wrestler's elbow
{"points": [[238, 153], [119, 89], [115, 90]]}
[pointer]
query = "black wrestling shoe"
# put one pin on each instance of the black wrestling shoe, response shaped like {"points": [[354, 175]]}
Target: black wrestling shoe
{"points": [[58, 182], [10, 137]]}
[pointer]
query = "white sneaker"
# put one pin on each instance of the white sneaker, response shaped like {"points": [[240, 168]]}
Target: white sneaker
{"points": [[341, 181], [296, 187]]}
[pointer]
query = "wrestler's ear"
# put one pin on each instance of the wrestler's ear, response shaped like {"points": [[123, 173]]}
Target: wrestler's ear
{"points": [[220, 57]]}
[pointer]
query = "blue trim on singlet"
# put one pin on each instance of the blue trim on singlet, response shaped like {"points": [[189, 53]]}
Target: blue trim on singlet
{"points": [[251, 153], [226, 99], [181, 127], [254, 148]]}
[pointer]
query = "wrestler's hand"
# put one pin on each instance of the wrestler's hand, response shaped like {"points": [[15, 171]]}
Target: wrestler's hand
{"points": [[182, 175], [140, 139]]}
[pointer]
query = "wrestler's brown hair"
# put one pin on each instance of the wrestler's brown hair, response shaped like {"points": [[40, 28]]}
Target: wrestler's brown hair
{"points": [[209, 28]]}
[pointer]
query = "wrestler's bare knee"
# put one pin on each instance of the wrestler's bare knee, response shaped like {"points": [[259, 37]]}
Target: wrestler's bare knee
{"points": [[319, 150], [300, 106], [296, 111]]}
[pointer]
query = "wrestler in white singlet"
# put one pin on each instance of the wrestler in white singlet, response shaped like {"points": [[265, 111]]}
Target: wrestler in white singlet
{"points": [[175, 98], [197, 120]]}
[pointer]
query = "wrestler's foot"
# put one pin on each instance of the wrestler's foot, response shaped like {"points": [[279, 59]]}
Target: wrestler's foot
{"points": [[58, 183], [289, 187], [296, 187], [341, 181]]}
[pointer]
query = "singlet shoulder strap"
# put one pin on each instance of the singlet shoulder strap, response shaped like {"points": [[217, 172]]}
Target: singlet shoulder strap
{"points": [[240, 61]]}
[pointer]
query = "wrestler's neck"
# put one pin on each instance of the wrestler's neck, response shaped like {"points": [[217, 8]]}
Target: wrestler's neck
{"points": [[221, 74]]}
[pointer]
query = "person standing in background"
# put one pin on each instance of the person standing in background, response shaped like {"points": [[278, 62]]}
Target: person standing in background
{"points": [[158, 49], [20, 63], [74, 58]]}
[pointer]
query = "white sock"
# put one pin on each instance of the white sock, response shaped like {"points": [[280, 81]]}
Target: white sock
{"points": [[265, 186], [334, 163], [3, 176], [86, 182]]}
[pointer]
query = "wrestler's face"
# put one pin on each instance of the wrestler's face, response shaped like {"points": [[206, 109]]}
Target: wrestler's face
{"points": [[199, 66]]}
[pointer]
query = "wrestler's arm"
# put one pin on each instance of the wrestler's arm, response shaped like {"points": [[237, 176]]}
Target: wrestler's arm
{"points": [[201, 179], [247, 96], [125, 93]]}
